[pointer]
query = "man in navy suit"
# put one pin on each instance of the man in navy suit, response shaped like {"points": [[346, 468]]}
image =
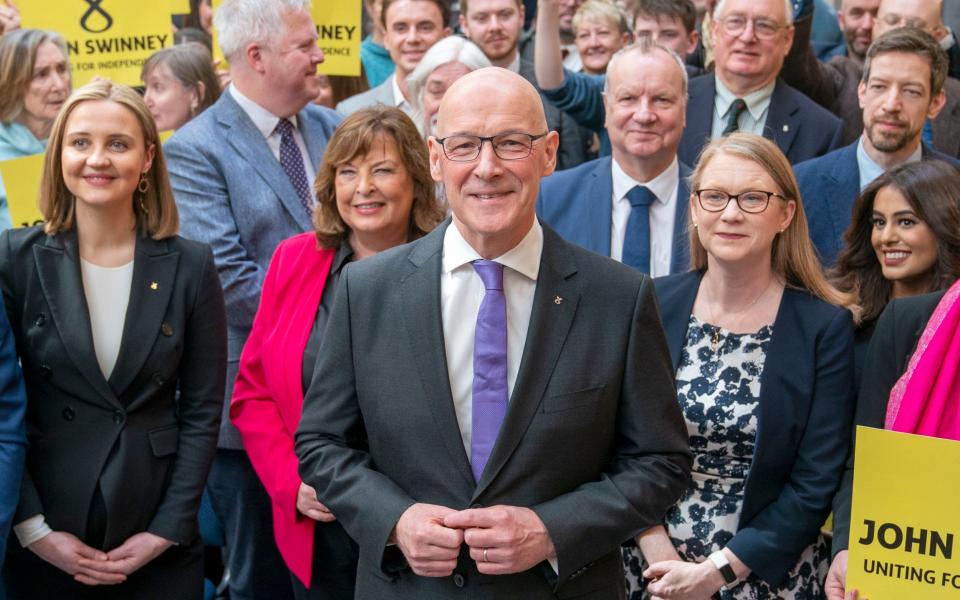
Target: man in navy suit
{"points": [[242, 173], [13, 438], [632, 206], [751, 39], [902, 88]]}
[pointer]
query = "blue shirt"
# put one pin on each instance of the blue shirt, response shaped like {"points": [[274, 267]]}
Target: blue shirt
{"points": [[870, 170], [377, 63]]}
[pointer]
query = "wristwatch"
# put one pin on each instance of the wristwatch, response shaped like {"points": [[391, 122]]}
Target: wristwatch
{"points": [[719, 560]]}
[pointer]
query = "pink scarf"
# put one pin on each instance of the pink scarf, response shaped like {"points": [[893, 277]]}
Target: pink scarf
{"points": [[926, 399]]}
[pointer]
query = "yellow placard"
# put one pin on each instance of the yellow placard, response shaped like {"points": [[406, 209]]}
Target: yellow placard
{"points": [[179, 7], [904, 523], [21, 178], [339, 34], [105, 38]]}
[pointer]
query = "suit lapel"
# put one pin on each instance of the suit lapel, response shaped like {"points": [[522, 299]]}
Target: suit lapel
{"points": [[844, 188], [420, 295], [680, 256], [676, 305], [550, 324], [776, 410], [314, 137], [599, 206], [154, 274], [782, 119], [250, 144], [58, 266]]}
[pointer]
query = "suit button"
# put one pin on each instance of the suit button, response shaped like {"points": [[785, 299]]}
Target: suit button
{"points": [[458, 580], [166, 330], [118, 417], [40, 320], [45, 371], [68, 414]]}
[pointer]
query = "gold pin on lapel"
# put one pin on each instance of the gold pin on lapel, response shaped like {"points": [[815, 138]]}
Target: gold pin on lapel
{"points": [[786, 128], [154, 286], [558, 300]]}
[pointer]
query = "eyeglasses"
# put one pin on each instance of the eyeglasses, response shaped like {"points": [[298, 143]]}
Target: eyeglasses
{"points": [[507, 146], [764, 29], [752, 201]]}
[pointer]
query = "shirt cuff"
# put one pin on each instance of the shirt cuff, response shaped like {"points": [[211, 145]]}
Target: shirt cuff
{"points": [[33, 529]]}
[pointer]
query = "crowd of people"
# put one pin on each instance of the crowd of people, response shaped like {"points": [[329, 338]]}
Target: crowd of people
{"points": [[558, 298]]}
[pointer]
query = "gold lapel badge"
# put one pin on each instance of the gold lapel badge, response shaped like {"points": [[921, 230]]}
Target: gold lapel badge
{"points": [[154, 286], [558, 300]]}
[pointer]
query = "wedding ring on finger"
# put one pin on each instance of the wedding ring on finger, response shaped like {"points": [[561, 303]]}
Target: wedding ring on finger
{"points": [[485, 555]]}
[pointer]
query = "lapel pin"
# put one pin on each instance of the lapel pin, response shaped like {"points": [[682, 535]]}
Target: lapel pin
{"points": [[786, 128], [558, 300], [154, 286]]}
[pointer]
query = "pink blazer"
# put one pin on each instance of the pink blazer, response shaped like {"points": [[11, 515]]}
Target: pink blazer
{"points": [[268, 394]]}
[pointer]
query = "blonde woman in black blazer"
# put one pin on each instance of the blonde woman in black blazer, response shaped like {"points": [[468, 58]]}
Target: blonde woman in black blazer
{"points": [[123, 407]]}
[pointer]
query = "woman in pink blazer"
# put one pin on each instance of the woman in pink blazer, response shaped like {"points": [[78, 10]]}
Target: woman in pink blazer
{"points": [[374, 192]]}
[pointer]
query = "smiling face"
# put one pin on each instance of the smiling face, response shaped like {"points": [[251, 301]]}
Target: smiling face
{"points": [[375, 193], [48, 88], [733, 236], [906, 247], [435, 87], [645, 106], [412, 27], [746, 62], [170, 102], [597, 42], [493, 200], [103, 155], [290, 63], [495, 26]]}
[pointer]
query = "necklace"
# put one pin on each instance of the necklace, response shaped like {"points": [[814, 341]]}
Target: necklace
{"points": [[715, 338]]}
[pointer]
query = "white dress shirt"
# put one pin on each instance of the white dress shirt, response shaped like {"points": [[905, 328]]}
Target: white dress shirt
{"points": [[266, 123], [663, 215], [751, 120], [398, 100]]}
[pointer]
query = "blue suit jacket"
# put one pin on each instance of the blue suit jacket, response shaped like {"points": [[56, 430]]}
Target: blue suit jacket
{"points": [[13, 438], [800, 127], [233, 194], [577, 204], [829, 185], [804, 417]]}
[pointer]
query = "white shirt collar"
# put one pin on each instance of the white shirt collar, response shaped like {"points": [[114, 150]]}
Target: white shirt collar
{"points": [[264, 120], [947, 41], [515, 63], [398, 99], [523, 258], [757, 102], [663, 186]]}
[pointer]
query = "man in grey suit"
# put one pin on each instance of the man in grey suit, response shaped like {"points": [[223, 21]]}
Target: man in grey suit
{"points": [[493, 411], [241, 174]]}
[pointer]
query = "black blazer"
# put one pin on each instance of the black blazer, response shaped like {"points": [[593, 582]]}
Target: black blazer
{"points": [[146, 446], [804, 414], [894, 339]]}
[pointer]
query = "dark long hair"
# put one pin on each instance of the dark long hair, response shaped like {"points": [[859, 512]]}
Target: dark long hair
{"points": [[932, 188]]}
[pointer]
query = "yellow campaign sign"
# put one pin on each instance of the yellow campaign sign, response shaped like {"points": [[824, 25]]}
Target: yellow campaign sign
{"points": [[21, 177], [105, 38], [180, 7], [904, 523], [339, 34]]}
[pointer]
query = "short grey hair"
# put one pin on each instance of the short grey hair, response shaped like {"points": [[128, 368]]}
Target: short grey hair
{"points": [[644, 46], [787, 6], [450, 49], [242, 22]]}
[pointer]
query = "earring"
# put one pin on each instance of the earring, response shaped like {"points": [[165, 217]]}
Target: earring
{"points": [[143, 187], [696, 225]]}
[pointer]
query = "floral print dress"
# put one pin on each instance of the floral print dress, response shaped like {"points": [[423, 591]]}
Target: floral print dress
{"points": [[718, 387]]}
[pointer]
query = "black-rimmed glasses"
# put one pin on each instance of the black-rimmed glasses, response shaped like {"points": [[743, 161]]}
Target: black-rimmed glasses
{"points": [[751, 201], [507, 146]]}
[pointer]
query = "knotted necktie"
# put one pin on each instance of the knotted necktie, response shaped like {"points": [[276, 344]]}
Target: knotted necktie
{"points": [[733, 116], [489, 366], [636, 242], [292, 162]]}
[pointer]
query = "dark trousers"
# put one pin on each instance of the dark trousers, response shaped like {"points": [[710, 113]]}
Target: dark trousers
{"points": [[334, 565], [257, 572]]}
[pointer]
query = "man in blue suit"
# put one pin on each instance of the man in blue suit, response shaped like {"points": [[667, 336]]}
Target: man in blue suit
{"points": [[902, 88], [631, 206], [751, 39], [13, 439], [242, 173]]}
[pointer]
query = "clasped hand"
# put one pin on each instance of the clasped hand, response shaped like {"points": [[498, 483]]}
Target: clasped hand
{"points": [[95, 567], [502, 539]]}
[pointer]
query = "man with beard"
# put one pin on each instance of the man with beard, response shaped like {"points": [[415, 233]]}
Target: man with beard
{"points": [[495, 26], [856, 19], [902, 87]]}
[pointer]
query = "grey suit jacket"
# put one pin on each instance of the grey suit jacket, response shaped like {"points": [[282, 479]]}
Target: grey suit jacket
{"points": [[382, 94], [593, 440], [233, 194], [833, 85]]}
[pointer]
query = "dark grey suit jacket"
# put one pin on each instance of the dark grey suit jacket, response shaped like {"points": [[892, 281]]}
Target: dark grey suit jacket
{"points": [[593, 440]]}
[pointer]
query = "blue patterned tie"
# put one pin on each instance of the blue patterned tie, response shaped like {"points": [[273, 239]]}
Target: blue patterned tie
{"points": [[636, 242], [489, 366], [292, 162]]}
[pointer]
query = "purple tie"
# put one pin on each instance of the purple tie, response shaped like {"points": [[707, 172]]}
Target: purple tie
{"points": [[489, 366], [292, 162]]}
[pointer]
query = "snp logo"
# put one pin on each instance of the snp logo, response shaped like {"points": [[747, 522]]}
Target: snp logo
{"points": [[96, 16]]}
